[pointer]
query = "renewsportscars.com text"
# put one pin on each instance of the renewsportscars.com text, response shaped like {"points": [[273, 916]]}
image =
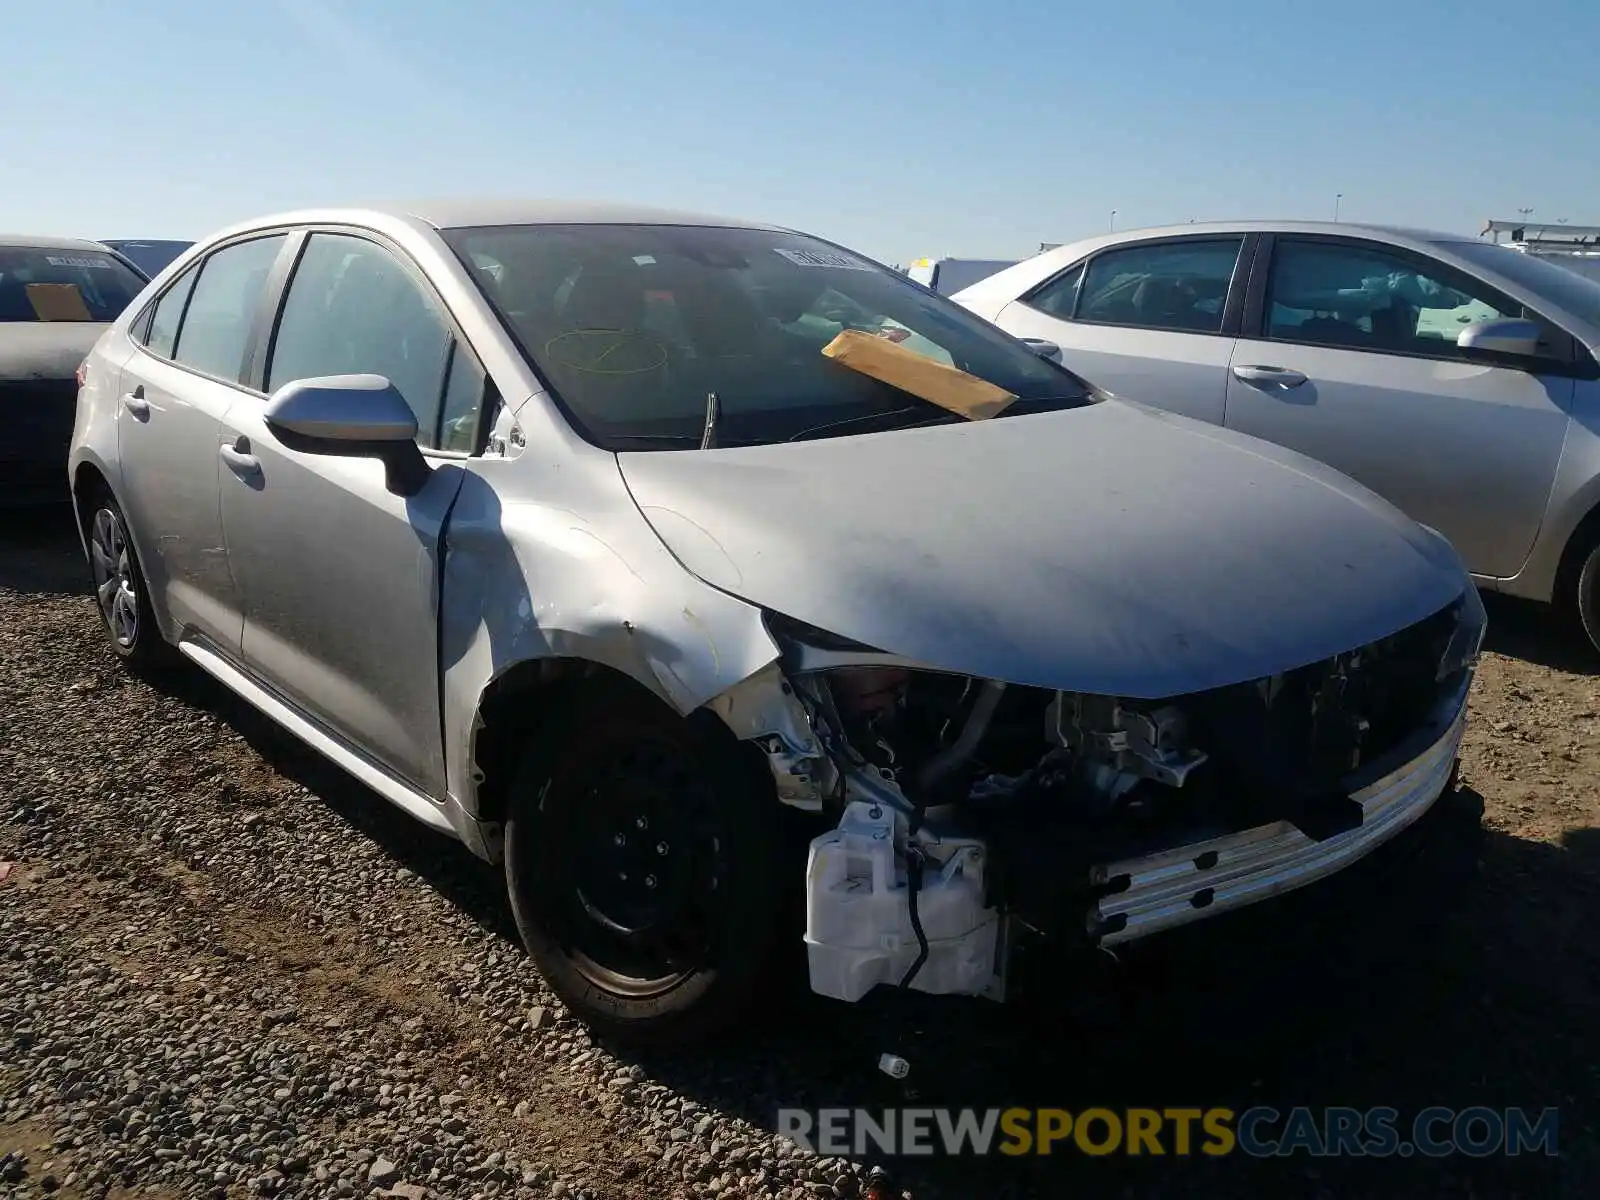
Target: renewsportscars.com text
{"points": [[1260, 1132]]}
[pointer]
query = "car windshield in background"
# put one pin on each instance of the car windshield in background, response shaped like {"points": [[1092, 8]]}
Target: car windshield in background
{"points": [[48, 284], [150, 256], [633, 326], [1577, 294]]}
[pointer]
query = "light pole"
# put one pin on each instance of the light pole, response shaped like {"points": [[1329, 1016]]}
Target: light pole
{"points": [[1113, 220], [1337, 196], [1526, 213]]}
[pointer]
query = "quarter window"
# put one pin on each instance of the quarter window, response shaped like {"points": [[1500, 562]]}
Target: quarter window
{"points": [[1179, 285], [1059, 297], [463, 402], [163, 334], [1364, 298], [216, 326], [352, 309]]}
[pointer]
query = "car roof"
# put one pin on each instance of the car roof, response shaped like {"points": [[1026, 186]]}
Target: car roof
{"points": [[1345, 228], [33, 241], [456, 213], [463, 212]]}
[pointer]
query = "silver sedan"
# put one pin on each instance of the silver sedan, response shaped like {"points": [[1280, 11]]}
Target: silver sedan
{"points": [[1456, 378], [621, 545]]}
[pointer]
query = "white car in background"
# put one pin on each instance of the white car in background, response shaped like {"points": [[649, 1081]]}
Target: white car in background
{"points": [[1456, 378]]}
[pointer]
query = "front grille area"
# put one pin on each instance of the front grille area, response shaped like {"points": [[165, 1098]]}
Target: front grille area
{"points": [[1293, 739]]}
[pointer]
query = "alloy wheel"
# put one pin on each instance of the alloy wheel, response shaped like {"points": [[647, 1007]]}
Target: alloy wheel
{"points": [[115, 584]]}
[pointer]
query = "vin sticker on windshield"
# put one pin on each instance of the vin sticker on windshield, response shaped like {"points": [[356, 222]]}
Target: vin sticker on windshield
{"points": [[823, 258], [78, 260]]}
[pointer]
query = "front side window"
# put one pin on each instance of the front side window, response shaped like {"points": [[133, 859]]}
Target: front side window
{"points": [[163, 334], [216, 324], [1180, 285], [636, 326], [52, 284], [1364, 298], [352, 309]]}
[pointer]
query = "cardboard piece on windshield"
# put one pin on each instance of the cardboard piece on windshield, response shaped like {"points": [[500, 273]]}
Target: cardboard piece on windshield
{"points": [[57, 302], [948, 387]]}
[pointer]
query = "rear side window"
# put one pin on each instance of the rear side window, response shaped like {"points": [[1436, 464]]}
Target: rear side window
{"points": [[53, 284], [222, 308], [163, 334], [352, 309], [1179, 285]]}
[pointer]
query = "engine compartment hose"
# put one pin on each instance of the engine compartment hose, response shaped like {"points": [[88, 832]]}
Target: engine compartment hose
{"points": [[960, 751], [913, 886]]}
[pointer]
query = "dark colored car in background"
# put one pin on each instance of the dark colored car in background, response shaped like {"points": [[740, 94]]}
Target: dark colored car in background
{"points": [[57, 295], [150, 255]]}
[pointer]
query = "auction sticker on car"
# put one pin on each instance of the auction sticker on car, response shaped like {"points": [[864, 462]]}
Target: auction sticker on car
{"points": [[94, 263], [824, 258]]}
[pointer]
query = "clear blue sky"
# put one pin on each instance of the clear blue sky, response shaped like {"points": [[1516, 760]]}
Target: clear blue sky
{"points": [[977, 128]]}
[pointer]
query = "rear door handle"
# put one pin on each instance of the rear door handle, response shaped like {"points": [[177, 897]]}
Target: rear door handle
{"points": [[1282, 376], [136, 404], [238, 457]]}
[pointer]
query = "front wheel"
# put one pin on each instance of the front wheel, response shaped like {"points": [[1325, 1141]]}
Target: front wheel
{"points": [[1588, 597], [641, 862]]}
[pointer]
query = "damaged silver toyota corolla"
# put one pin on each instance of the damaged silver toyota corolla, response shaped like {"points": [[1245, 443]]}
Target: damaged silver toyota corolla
{"points": [[616, 543]]}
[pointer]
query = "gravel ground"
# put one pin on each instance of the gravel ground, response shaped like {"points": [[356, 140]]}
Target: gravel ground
{"points": [[227, 970]]}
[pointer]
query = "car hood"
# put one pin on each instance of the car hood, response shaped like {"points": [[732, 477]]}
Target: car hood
{"points": [[45, 349], [1111, 549]]}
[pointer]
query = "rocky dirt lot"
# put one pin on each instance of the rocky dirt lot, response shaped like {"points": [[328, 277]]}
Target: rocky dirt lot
{"points": [[228, 970]]}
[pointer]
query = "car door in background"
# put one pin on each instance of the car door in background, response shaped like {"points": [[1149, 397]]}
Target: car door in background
{"points": [[193, 345], [1149, 321], [1350, 356], [339, 576]]}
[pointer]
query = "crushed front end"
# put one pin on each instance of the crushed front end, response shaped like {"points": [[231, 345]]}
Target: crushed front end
{"points": [[967, 813]]}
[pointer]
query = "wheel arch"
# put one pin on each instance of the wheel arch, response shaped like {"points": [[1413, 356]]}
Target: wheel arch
{"points": [[521, 708], [1584, 537]]}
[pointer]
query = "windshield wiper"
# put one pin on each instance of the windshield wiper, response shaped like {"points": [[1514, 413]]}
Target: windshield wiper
{"points": [[941, 417]]}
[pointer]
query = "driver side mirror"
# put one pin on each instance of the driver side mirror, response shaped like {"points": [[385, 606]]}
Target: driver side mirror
{"points": [[1043, 348], [1501, 337], [351, 415]]}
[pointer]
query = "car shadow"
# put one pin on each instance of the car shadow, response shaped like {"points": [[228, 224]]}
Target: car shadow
{"points": [[474, 887], [1537, 633]]}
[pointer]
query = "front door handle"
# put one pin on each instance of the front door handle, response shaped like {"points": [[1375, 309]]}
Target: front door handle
{"points": [[238, 457], [136, 404], [1282, 376]]}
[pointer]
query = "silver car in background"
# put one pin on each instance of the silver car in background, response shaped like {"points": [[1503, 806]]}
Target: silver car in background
{"points": [[1454, 377], [615, 542]]}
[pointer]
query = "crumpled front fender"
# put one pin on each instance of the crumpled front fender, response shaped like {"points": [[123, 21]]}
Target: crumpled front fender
{"points": [[588, 580]]}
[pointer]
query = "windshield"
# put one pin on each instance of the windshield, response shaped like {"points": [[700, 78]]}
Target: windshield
{"points": [[1575, 293], [47, 284], [149, 256], [634, 326]]}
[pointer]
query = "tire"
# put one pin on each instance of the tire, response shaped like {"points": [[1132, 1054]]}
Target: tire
{"points": [[642, 860], [121, 595], [1587, 605]]}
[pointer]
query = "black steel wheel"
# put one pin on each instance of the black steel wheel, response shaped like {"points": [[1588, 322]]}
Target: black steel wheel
{"points": [[640, 859], [1588, 597]]}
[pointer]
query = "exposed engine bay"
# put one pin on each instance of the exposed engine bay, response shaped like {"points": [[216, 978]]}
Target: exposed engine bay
{"points": [[968, 812]]}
